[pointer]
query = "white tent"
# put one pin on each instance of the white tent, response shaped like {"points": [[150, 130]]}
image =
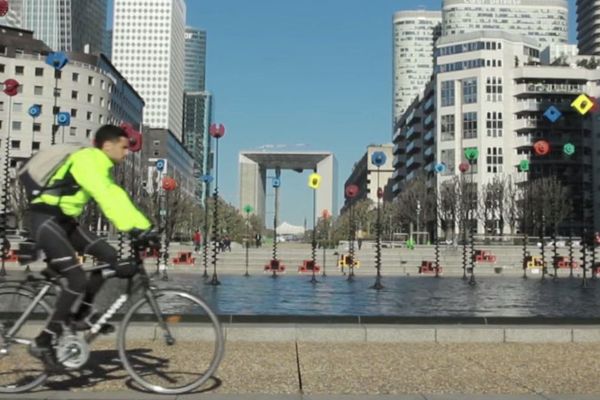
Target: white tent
{"points": [[288, 229]]}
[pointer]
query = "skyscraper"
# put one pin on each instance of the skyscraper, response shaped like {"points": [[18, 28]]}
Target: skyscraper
{"points": [[588, 27], [148, 49], [195, 60], [415, 33], [544, 20], [197, 104], [66, 25]]}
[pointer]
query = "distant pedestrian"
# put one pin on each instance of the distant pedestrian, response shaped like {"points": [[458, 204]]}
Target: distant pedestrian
{"points": [[227, 243], [258, 239], [197, 239], [5, 248]]}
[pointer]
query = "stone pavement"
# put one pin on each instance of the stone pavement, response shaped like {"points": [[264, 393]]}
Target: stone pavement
{"points": [[361, 370]]}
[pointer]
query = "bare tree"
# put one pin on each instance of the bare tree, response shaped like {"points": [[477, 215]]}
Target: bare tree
{"points": [[491, 205], [512, 205], [417, 194], [448, 199]]}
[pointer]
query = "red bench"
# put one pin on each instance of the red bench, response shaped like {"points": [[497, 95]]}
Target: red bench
{"points": [[563, 262], [308, 266], [484, 256], [428, 267], [184, 257], [274, 266]]}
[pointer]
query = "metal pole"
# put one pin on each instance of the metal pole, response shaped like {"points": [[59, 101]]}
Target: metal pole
{"points": [[215, 280], [314, 238], [378, 284], [5, 188]]}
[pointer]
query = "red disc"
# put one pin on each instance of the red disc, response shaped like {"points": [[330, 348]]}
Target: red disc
{"points": [[463, 167], [169, 183], [3, 8], [351, 191], [541, 147], [217, 131], [11, 87], [379, 193]]}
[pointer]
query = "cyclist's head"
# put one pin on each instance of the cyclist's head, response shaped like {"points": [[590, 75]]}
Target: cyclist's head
{"points": [[113, 141]]}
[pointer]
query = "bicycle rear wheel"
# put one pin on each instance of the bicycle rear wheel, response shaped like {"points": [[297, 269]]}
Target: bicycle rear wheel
{"points": [[20, 372], [170, 342]]}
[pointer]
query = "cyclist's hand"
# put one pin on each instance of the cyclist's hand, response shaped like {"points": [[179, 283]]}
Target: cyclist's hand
{"points": [[147, 239]]}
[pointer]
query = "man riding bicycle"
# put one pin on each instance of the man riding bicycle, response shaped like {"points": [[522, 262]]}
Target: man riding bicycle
{"points": [[85, 175]]}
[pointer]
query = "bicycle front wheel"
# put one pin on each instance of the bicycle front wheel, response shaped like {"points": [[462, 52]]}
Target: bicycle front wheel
{"points": [[170, 342], [20, 372]]}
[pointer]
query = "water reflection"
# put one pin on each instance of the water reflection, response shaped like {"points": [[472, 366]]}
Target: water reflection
{"points": [[402, 296]]}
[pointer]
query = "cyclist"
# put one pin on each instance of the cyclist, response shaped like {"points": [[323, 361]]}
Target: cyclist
{"points": [[85, 175]]}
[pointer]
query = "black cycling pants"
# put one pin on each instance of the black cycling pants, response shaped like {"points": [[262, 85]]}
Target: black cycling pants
{"points": [[60, 237]]}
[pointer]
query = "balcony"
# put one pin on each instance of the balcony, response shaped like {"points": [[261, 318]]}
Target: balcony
{"points": [[398, 148], [429, 136], [410, 133], [525, 124], [412, 163], [398, 161], [428, 121], [429, 152], [429, 104], [413, 147], [429, 167]]}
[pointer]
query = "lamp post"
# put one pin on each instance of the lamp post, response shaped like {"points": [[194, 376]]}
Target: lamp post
{"points": [[378, 159], [418, 219], [314, 181], [351, 192], [56, 60], [11, 88], [247, 209], [471, 154], [207, 179], [275, 263], [217, 132]]}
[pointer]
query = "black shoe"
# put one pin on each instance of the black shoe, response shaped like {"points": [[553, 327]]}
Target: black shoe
{"points": [[46, 354], [86, 323]]}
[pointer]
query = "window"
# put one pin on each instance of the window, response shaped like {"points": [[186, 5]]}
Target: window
{"points": [[89, 116], [1, 106], [493, 89], [447, 157], [494, 124], [74, 94], [2, 68], [38, 90], [37, 127], [90, 80], [15, 144], [470, 90], [447, 127], [17, 107], [39, 71], [469, 125], [156, 143], [16, 125], [88, 133], [19, 70], [447, 93], [494, 160], [57, 92], [156, 152], [35, 146], [73, 112], [72, 131], [75, 77], [90, 98]]}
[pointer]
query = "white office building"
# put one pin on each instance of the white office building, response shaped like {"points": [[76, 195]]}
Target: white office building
{"points": [[588, 27], [491, 94], [148, 49], [415, 33], [544, 20]]}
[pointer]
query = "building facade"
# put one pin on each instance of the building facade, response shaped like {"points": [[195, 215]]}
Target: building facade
{"points": [[414, 141], [13, 17], [197, 114], [367, 177], [544, 20], [491, 94], [65, 25], [161, 144], [148, 49], [195, 60], [89, 88], [588, 27], [415, 33]]}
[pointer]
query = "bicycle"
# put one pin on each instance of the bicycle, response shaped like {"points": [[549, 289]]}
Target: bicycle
{"points": [[162, 317]]}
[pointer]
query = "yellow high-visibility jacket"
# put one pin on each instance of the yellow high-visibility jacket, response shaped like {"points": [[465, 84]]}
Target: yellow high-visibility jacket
{"points": [[91, 169]]}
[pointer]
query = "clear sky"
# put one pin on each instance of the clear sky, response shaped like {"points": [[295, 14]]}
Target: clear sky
{"points": [[315, 73]]}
